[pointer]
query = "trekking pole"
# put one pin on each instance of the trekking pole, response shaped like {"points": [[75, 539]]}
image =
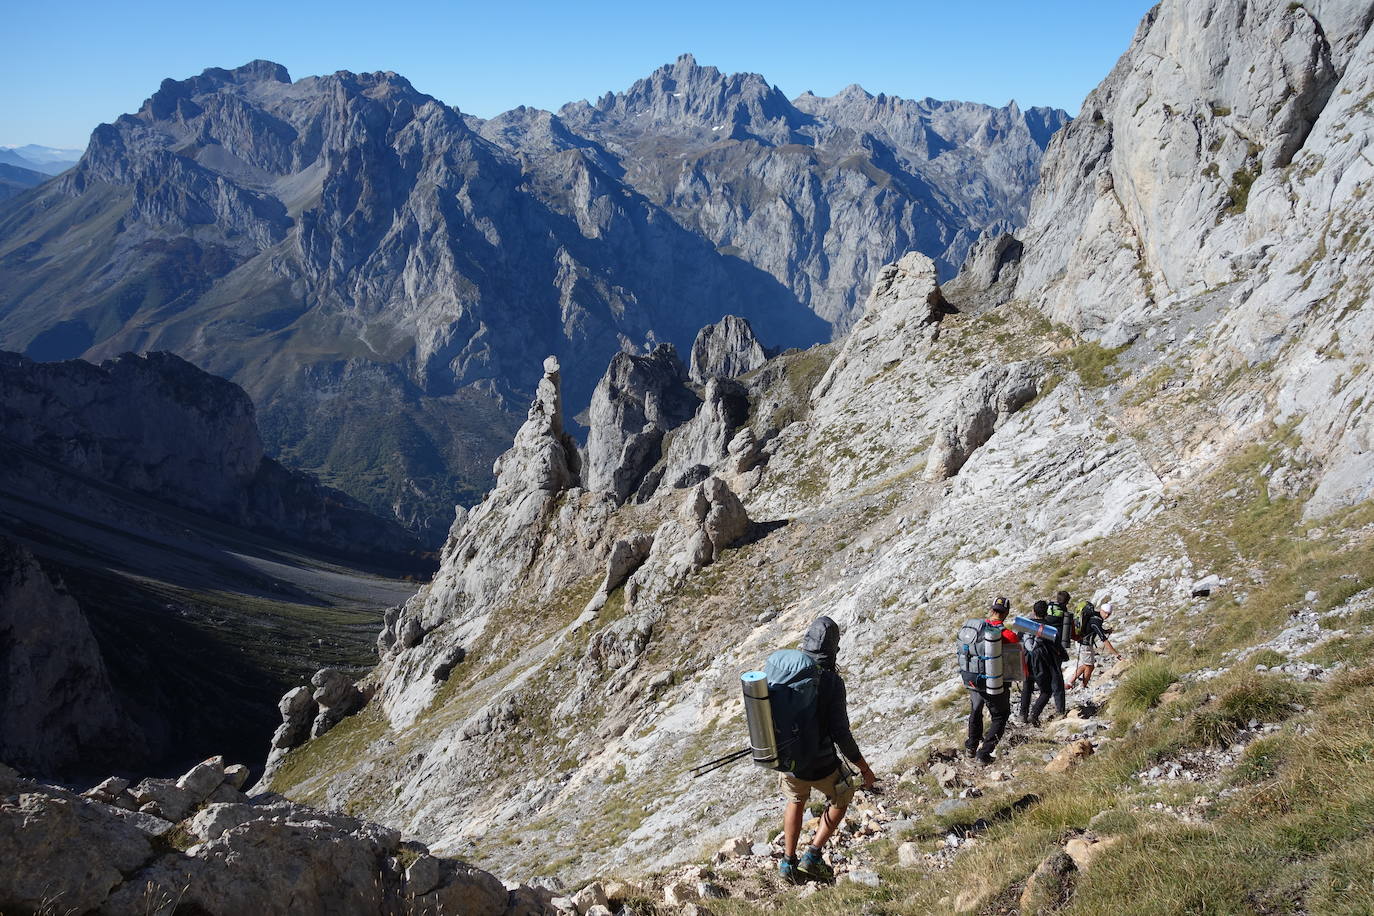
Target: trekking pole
{"points": [[703, 769]]}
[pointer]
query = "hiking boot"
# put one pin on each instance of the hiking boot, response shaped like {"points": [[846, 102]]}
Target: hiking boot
{"points": [[970, 751], [787, 871], [812, 866], [1035, 722], [984, 760]]}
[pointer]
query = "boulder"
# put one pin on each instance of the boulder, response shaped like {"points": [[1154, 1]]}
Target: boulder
{"points": [[909, 855], [298, 710], [1085, 849], [1049, 885], [164, 798], [203, 779], [676, 893], [738, 846], [63, 853], [1069, 755], [593, 895], [726, 349], [423, 875], [337, 698], [235, 775]]}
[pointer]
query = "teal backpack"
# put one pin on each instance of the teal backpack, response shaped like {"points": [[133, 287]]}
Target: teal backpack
{"points": [[794, 681]]}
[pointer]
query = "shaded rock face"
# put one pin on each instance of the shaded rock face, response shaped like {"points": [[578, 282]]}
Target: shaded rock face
{"points": [[994, 257], [726, 349], [704, 441], [636, 402], [264, 855], [58, 712], [985, 401], [159, 426]]}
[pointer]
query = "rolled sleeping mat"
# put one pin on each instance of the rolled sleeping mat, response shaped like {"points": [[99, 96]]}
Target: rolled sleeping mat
{"points": [[758, 712], [992, 660], [1034, 627]]}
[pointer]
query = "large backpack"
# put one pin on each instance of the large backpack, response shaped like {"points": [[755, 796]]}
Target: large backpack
{"points": [[1062, 618], [794, 681], [979, 650], [1089, 621]]}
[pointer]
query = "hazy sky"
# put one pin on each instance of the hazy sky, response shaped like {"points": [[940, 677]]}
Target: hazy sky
{"points": [[69, 67]]}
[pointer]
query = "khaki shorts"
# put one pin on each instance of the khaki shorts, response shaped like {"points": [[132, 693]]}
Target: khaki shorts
{"points": [[1087, 653], [799, 790]]}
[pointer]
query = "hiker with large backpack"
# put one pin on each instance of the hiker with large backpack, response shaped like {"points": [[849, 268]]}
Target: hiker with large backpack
{"points": [[810, 718], [1061, 618], [1041, 660], [981, 647], [1092, 633]]}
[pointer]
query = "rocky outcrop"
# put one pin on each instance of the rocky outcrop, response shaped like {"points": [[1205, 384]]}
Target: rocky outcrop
{"points": [[58, 712], [543, 457], [984, 402], [237, 855], [709, 520], [699, 445], [993, 258], [726, 349], [158, 426], [638, 400]]}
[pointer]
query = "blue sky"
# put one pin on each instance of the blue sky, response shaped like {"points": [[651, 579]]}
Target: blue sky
{"points": [[72, 66]]}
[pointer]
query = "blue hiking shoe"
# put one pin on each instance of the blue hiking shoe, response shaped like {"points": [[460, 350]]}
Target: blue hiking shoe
{"points": [[814, 868], [787, 870]]}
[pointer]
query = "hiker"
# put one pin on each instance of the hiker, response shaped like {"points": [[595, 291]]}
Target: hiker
{"points": [[823, 772], [1057, 612], [989, 692], [1041, 660], [1095, 633]]}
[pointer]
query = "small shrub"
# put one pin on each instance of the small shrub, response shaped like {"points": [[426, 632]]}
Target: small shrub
{"points": [[1262, 759], [1143, 685], [1261, 699], [1268, 658], [1209, 728]]}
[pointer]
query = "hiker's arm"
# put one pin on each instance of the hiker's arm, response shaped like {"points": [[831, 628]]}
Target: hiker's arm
{"points": [[840, 732], [1107, 644]]}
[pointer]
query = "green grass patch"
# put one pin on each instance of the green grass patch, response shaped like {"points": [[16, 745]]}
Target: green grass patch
{"points": [[1092, 361], [1144, 684]]}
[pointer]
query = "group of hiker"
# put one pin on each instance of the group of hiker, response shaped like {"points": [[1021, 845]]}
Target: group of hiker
{"points": [[1030, 651], [798, 713]]}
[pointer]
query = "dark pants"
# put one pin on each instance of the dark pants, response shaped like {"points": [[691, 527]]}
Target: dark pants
{"points": [[999, 710], [1057, 684], [1041, 682]]}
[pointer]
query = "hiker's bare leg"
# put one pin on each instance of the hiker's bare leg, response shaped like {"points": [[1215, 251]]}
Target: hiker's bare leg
{"points": [[792, 814], [830, 820], [1087, 674]]}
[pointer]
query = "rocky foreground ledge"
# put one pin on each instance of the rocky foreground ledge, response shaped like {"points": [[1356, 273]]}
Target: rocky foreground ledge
{"points": [[199, 845]]}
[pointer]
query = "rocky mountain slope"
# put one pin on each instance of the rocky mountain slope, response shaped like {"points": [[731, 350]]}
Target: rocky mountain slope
{"points": [[1158, 393], [381, 273]]}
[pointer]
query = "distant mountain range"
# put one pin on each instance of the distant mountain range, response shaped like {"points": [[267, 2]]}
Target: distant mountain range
{"points": [[45, 159], [384, 274]]}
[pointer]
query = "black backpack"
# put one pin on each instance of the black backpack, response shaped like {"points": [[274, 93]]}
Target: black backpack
{"points": [[794, 681]]}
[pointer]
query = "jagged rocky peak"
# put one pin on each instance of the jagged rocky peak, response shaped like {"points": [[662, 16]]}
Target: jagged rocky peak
{"points": [[726, 349], [686, 98], [543, 456], [638, 400]]}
